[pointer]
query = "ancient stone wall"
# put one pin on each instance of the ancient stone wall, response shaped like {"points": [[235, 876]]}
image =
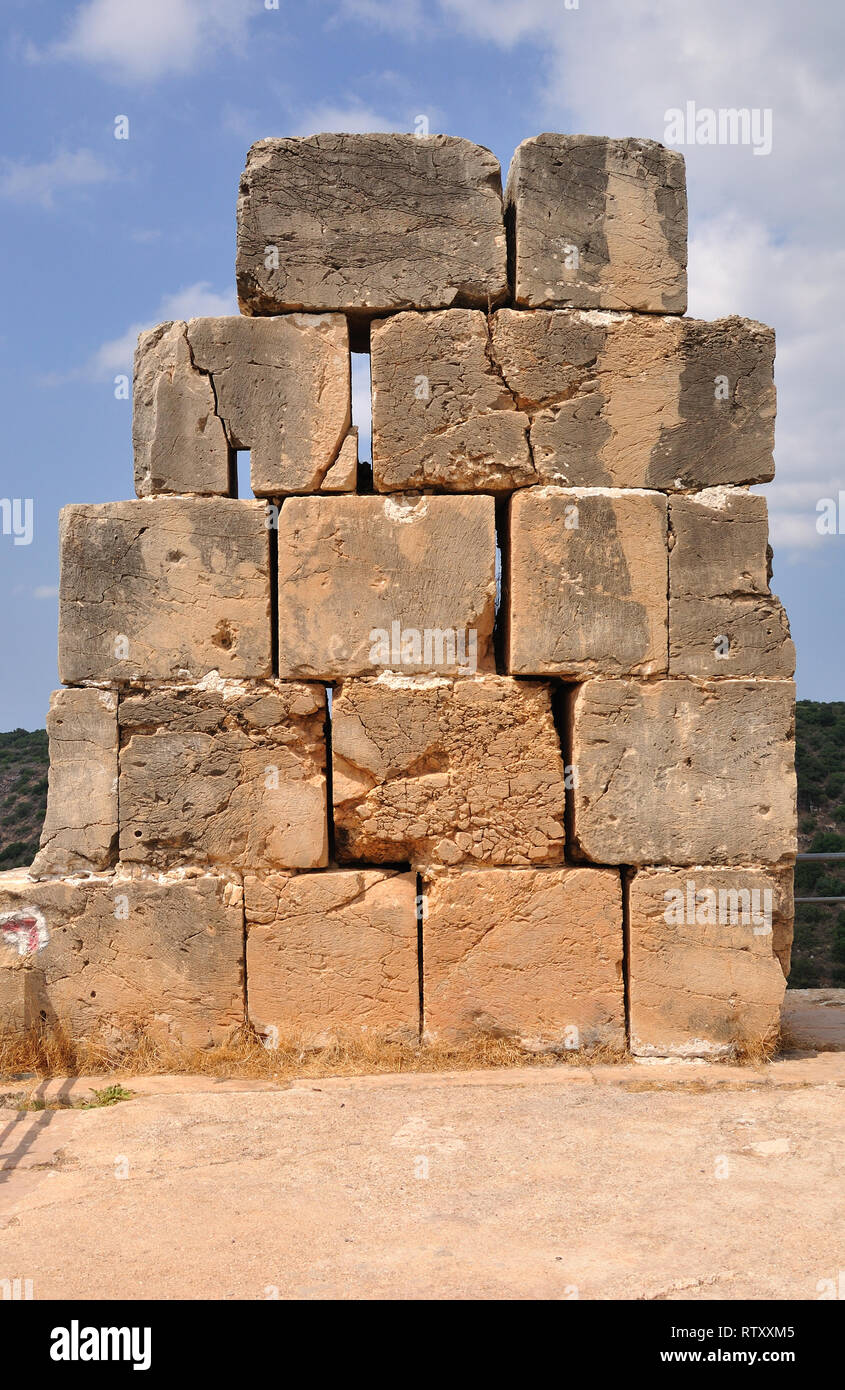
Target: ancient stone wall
{"points": [[494, 736]]}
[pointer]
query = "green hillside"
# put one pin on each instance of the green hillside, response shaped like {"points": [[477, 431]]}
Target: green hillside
{"points": [[23, 795]]}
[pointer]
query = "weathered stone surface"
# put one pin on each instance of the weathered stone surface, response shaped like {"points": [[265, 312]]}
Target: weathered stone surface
{"points": [[598, 223], [331, 956], [678, 772], [164, 588], [704, 977], [627, 400], [369, 224], [282, 388], [80, 828], [723, 619], [179, 442], [587, 593], [116, 955], [233, 774], [442, 413], [530, 953], [439, 771], [343, 474], [352, 567]]}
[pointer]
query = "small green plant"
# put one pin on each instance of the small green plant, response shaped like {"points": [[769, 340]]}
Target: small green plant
{"points": [[110, 1095]]}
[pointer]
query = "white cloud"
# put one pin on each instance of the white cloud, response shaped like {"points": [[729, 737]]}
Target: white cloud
{"points": [[46, 591], [353, 119], [149, 39], [38, 183]]}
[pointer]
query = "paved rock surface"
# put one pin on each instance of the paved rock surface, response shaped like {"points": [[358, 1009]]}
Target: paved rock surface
{"points": [[332, 956], [438, 771], [80, 828], [369, 224], [600, 224]]}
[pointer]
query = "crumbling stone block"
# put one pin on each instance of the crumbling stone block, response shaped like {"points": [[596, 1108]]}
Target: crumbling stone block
{"points": [[369, 224], [723, 619], [117, 955], [443, 416], [374, 583], [164, 588], [80, 828], [704, 976], [534, 954], [440, 771], [588, 580], [598, 223], [230, 774], [179, 441], [627, 400], [331, 956], [679, 772]]}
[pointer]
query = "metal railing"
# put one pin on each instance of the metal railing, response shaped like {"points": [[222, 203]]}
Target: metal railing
{"points": [[804, 858]]}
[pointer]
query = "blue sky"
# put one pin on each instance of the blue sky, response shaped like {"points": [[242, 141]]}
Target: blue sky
{"points": [[104, 236]]}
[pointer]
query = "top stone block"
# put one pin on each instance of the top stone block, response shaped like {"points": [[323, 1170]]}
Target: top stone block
{"points": [[369, 224], [598, 224]]}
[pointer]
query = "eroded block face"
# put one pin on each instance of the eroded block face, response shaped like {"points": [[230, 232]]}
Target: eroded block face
{"points": [[534, 954], [369, 224], [626, 400], [376, 583], [588, 582], [179, 441], [599, 223], [723, 619], [446, 772], [704, 976], [115, 955], [80, 828], [676, 772], [164, 588], [231, 775], [332, 955], [443, 415], [282, 388]]}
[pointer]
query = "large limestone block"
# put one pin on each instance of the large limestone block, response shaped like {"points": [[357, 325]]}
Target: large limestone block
{"points": [[179, 441], [587, 592], [233, 774], [598, 223], [283, 391], [681, 772], [369, 224], [114, 955], [704, 976], [80, 828], [164, 588], [534, 954], [446, 771], [628, 400], [374, 583], [443, 416], [723, 619], [331, 956]]}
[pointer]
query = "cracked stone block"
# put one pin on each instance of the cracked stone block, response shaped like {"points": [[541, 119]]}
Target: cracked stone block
{"points": [[282, 387], [682, 772], [588, 574], [164, 588], [437, 771], [232, 774], [374, 583], [178, 439], [598, 224], [80, 828], [705, 979], [332, 955], [628, 400], [443, 416], [534, 954], [369, 224], [342, 476], [723, 618], [117, 955]]}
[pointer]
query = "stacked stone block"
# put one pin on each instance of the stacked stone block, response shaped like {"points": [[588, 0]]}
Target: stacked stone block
{"points": [[499, 741]]}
